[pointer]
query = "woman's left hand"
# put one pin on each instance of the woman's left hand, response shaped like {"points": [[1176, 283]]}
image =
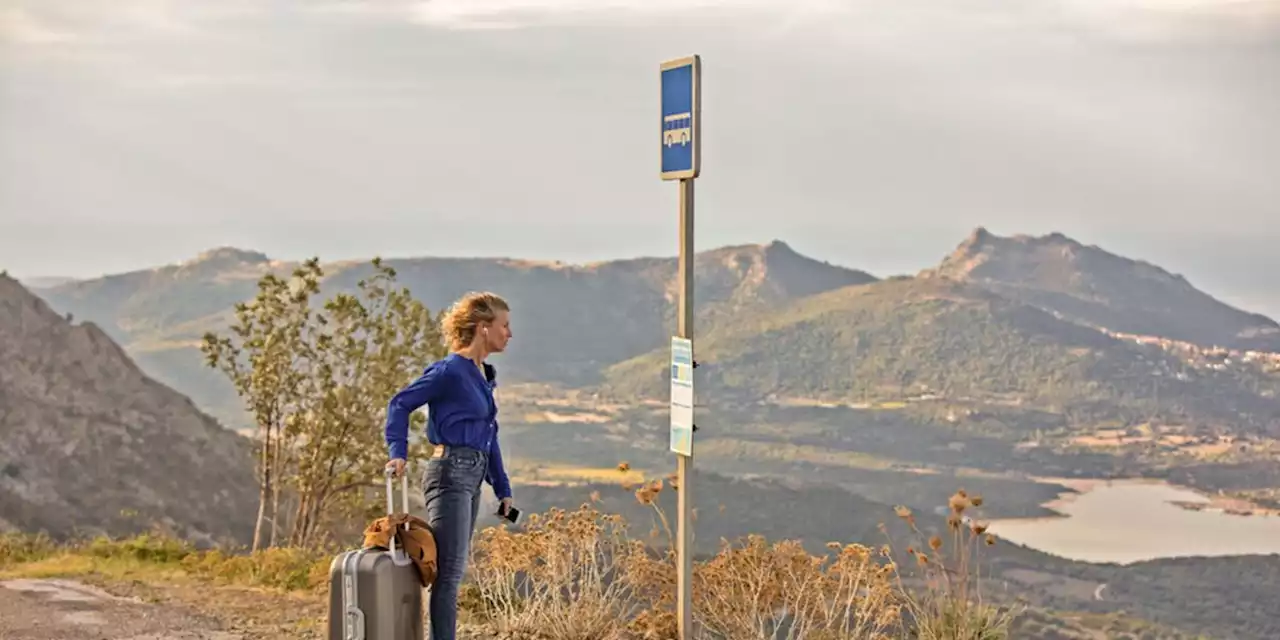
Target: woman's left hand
{"points": [[504, 507]]}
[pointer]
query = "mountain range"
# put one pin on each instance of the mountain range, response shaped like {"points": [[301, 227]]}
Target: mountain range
{"points": [[570, 320], [1043, 321], [1033, 329], [92, 444], [825, 373]]}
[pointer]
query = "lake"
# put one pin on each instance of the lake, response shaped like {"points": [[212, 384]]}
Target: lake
{"points": [[1126, 521]]}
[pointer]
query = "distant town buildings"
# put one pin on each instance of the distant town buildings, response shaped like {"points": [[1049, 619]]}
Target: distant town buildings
{"points": [[1217, 358]]}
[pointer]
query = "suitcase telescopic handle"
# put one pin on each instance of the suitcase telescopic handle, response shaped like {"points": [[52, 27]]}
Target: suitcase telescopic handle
{"points": [[404, 498], [404, 491]]}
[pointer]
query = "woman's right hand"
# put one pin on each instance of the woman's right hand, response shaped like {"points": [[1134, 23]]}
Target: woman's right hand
{"points": [[396, 465]]}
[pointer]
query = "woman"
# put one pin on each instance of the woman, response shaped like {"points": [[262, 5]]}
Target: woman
{"points": [[462, 429]]}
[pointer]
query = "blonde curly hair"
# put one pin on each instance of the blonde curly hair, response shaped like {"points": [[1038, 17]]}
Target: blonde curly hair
{"points": [[464, 317]]}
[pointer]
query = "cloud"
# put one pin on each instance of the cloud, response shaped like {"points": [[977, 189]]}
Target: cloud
{"points": [[1123, 18], [1163, 20], [60, 22], [18, 26], [473, 14], [1180, 7]]}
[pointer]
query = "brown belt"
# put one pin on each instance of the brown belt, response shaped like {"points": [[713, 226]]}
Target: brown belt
{"points": [[441, 450]]}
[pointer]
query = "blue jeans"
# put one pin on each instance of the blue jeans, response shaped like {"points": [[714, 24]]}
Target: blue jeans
{"points": [[451, 485]]}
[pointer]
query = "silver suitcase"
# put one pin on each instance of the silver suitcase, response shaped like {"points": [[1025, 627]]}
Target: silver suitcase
{"points": [[376, 594]]}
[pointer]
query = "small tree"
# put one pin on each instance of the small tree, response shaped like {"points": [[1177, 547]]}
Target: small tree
{"points": [[262, 358], [365, 348], [317, 382]]}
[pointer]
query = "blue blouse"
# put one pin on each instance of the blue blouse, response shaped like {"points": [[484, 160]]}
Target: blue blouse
{"points": [[461, 413]]}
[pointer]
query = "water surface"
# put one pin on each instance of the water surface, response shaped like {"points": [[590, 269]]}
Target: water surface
{"points": [[1127, 521]]}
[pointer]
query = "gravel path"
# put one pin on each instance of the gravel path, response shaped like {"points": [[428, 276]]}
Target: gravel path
{"points": [[62, 609]]}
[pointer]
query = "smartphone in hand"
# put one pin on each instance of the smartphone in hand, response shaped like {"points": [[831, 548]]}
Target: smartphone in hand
{"points": [[512, 515]]}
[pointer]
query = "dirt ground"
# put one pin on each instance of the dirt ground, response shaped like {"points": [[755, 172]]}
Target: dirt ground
{"points": [[57, 609], [97, 608]]}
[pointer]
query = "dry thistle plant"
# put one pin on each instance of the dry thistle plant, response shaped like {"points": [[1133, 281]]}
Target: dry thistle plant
{"points": [[780, 592], [950, 605], [561, 577], [578, 576], [755, 590], [652, 571]]}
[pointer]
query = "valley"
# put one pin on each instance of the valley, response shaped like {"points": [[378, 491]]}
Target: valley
{"points": [[1016, 369]]}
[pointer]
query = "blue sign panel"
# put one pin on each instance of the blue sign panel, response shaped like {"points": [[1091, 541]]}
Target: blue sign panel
{"points": [[681, 118]]}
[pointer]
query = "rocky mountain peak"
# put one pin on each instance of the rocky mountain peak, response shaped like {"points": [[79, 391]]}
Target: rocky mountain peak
{"points": [[89, 438], [1098, 288], [229, 256]]}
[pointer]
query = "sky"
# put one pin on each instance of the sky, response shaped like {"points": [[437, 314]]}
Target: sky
{"points": [[874, 134]]}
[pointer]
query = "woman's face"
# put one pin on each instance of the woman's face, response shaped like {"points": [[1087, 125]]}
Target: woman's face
{"points": [[498, 333]]}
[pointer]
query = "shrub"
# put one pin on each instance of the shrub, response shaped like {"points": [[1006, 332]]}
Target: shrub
{"points": [[950, 604], [579, 575], [564, 576], [775, 591], [753, 590], [17, 548], [289, 569], [147, 547]]}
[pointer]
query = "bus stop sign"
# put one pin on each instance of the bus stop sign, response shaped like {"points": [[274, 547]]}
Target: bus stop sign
{"points": [[681, 118]]}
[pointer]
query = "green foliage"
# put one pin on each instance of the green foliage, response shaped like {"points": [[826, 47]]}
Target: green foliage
{"points": [[22, 548], [366, 347], [263, 360], [16, 548], [317, 381], [146, 548], [1047, 625], [288, 569]]}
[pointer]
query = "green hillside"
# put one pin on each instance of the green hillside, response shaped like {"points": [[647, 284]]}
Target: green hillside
{"points": [[958, 345]]}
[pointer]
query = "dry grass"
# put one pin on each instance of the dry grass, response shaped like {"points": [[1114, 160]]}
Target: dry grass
{"points": [[578, 575], [561, 474], [948, 604], [791, 453], [563, 577], [156, 556], [774, 591], [566, 417]]}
